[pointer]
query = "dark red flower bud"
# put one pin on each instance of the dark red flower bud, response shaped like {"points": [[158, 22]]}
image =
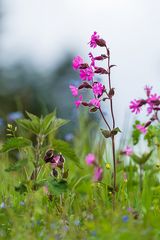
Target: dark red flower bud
{"points": [[55, 172], [48, 156], [102, 57], [84, 66], [147, 124], [85, 85], [100, 70], [101, 42], [85, 104], [142, 102], [111, 93]]}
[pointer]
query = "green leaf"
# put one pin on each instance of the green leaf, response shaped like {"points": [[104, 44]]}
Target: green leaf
{"points": [[15, 143], [57, 187], [106, 133], [46, 123], [141, 159], [18, 165], [66, 150], [59, 122], [33, 126]]}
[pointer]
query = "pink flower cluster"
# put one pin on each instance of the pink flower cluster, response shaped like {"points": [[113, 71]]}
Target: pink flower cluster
{"points": [[98, 171], [152, 103], [87, 73]]}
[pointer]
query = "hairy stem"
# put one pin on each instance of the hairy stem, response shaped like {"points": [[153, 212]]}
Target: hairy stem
{"points": [[113, 123]]}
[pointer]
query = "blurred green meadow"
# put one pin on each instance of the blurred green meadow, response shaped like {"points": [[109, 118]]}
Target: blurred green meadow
{"points": [[75, 207]]}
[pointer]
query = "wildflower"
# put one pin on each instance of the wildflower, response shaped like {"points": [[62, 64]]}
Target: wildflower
{"points": [[108, 165], [79, 101], [95, 102], [135, 106], [77, 61], [98, 174], [69, 137], [94, 37], [98, 89], [22, 203], [141, 128], [74, 90], [154, 99], [128, 151], [3, 205], [125, 218], [148, 90], [90, 159], [14, 115], [92, 59], [77, 222], [86, 74]]}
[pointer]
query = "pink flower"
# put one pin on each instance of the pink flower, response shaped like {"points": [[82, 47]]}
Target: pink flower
{"points": [[92, 59], [94, 102], [141, 128], [148, 90], [79, 101], [90, 159], [86, 74], [74, 90], [98, 89], [77, 61], [128, 151], [55, 161], [92, 42], [153, 99], [98, 174], [135, 106]]}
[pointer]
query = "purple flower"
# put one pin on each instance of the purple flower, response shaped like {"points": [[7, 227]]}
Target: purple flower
{"points": [[98, 89], [74, 90], [92, 59], [86, 74], [90, 159], [148, 90], [95, 102], [98, 174], [79, 101], [77, 61], [94, 37], [125, 218], [128, 151], [141, 128], [135, 106]]}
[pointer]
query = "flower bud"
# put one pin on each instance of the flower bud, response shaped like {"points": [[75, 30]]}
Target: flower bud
{"points": [[101, 42]]}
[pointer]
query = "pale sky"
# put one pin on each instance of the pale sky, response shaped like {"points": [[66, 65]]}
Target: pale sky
{"points": [[45, 30]]}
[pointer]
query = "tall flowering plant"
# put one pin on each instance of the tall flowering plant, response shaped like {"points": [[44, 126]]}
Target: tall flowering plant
{"points": [[100, 93]]}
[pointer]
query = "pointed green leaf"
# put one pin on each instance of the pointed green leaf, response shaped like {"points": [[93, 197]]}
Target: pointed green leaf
{"points": [[15, 143]]}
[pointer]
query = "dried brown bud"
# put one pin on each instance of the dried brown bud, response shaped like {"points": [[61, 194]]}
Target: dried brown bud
{"points": [[84, 66], [101, 42], [85, 85], [101, 71]]}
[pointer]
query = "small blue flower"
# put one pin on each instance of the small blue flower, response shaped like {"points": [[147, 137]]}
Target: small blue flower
{"points": [[69, 137], [125, 218], [22, 203], [14, 115], [77, 222], [93, 233], [3, 205]]}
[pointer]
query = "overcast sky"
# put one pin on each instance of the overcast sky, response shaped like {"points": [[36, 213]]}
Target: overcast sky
{"points": [[44, 30]]}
